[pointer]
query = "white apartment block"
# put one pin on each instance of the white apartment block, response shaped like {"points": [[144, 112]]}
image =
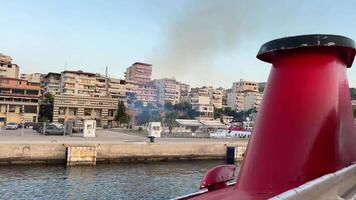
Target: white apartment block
{"points": [[168, 90], [252, 100], [200, 100], [146, 93], [7, 68], [235, 100]]}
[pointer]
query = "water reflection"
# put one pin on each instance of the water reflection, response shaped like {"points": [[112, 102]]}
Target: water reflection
{"points": [[161, 180]]}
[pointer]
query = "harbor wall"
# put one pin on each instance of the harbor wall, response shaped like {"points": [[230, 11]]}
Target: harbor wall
{"points": [[121, 152]]}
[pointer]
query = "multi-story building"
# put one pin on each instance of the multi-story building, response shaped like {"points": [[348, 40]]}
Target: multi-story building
{"points": [[77, 83], [79, 107], [200, 100], [19, 101], [252, 100], [7, 68], [261, 86], [216, 97], [51, 83], [168, 90], [184, 90], [139, 73], [117, 89], [147, 93], [35, 78], [235, 100], [243, 85]]}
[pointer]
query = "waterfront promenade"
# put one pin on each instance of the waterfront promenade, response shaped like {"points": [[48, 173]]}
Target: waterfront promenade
{"points": [[112, 146]]}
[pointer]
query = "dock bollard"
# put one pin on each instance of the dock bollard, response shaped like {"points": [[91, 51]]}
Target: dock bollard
{"points": [[230, 155]]}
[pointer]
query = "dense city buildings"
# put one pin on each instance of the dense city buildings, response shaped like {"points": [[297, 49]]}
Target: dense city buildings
{"points": [[19, 101], [7, 68], [200, 100], [139, 73], [80, 95]]}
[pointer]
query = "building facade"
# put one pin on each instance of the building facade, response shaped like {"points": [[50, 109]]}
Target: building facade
{"points": [[184, 90], [19, 101], [139, 73], [51, 83], [77, 83], [243, 85], [7, 68], [78, 107], [216, 97], [35, 78], [200, 100], [168, 90]]}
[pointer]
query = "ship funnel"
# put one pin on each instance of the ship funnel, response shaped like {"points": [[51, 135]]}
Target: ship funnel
{"points": [[305, 126]]}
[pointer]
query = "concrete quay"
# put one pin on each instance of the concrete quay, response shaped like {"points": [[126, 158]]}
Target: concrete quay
{"points": [[29, 147]]}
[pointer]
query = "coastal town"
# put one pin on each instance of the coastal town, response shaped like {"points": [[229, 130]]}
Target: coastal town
{"points": [[131, 101]]}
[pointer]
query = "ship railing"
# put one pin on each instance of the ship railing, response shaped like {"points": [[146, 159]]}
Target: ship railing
{"points": [[338, 185]]}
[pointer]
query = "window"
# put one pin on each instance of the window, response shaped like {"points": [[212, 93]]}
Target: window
{"points": [[12, 108], [87, 112], [62, 111], [30, 109]]}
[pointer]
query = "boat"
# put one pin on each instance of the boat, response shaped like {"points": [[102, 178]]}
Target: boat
{"points": [[303, 142]]}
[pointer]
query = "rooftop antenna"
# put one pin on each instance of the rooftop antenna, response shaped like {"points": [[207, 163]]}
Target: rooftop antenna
{"points": [[65, 66]]}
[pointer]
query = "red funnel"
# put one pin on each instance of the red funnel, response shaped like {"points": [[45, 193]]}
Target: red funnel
{"points": [[304, 128]]}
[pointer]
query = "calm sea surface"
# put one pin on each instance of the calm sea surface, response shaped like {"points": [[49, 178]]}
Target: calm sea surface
{"points": [[160, 180]]}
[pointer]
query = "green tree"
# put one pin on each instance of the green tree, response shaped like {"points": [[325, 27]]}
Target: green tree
{"points": [[46, 108], [354, 113], [121, 115], [353, 93], [169, 120], [168, 106]]}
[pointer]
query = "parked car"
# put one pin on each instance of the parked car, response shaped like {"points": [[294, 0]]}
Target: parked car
{"points": [[11, 126], [53, 130]]}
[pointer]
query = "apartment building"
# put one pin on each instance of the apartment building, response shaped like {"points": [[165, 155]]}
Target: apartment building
{"points": [[35, 78], [235, 100], [246, 100], [77, 83], [200, 100], [117, 89], [19, 101], [51, 83], [7, 68], [243, 85], [252, 100], [146, 93], [184, 90], [216, 97], [139, 73], [80, 107], [168, 90]]}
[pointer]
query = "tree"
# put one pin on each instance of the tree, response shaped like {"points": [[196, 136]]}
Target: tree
{"points": [[353, 93], [169, 120], [138, 104], [121, 115], [354, 113], [168, 106], [46, 108]]}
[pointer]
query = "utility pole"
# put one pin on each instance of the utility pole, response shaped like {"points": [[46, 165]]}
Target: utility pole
{"points": [[106, 81]]}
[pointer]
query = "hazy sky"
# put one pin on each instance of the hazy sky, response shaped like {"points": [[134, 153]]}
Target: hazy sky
{"points": [[197, 41]]}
